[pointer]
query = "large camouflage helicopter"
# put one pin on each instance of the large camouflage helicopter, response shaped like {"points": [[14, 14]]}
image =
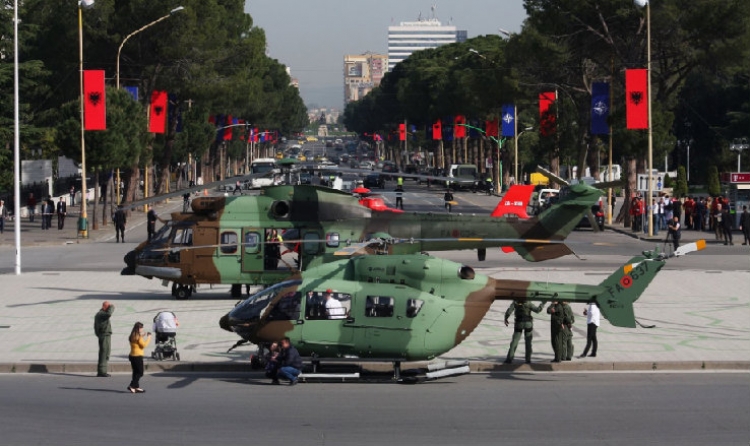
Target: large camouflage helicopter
{"points": [[413, 307], [260, 240]]}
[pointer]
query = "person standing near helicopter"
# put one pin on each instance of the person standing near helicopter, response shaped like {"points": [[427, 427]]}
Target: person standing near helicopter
{"points": [[524, 322]]}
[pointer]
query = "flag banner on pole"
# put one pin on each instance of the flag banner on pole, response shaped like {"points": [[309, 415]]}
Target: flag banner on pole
{"points": [[636, 98], [492, 128], [256, 136], [437, 130], [402, 132], [219, 121], [94, 103], [547, 118], [413, 130], [244, 130], [509, 120], [228, 130], [600, 108], [175, 112], [474, 131], [133, 92], [157, 120], [460, 127], [448, 129]]}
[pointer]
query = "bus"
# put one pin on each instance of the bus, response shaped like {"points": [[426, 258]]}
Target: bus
{"points": [[261, 166]]}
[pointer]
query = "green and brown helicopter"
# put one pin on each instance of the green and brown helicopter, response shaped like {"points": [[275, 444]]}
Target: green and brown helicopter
{"points": [[413, 307], [262, 239]]}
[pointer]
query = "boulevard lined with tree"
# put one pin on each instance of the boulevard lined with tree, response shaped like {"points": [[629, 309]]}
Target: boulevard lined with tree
{"points": [[700, 80], [208, 57]]}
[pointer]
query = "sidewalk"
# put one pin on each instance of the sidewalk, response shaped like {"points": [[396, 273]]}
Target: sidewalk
{"points": [[33, 235]]}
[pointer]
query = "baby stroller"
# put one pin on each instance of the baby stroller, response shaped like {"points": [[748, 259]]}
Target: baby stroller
{"points": [[165, 327]]}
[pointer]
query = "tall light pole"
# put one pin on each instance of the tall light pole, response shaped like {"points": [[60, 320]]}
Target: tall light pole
{"points": [[17, 144], [83, 221], [515, 148], [117, 83], [739, 145], [119, 49], [647, 5]]}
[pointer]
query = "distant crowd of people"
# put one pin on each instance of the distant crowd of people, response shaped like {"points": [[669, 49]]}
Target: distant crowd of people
{"points": [[710, 214]]}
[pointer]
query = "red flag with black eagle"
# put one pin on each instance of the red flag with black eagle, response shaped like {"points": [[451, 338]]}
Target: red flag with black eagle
{"points": [[492, 128], [402, 132], [437, 130], [95, 103], [547, 118], [157, 119], [636, 98], [460, 126]]}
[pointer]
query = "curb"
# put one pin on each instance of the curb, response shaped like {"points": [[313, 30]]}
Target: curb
{"points": [[475, 366]]}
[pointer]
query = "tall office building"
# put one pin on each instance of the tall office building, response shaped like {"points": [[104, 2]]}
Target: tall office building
{"points": [[409, 37], [362, 73]]}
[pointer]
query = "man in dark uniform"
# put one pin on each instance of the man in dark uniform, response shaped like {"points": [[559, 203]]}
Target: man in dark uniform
{"points": [[448, 199], [103, 331], [726, 222], [557, 313], [524, 322], [151, 218], [567, 333], [62, 210], [673, 228], [400, 196], [119, 220]]}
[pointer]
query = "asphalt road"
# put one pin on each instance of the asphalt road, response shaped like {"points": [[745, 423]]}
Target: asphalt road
{"points": [[560, 409]]}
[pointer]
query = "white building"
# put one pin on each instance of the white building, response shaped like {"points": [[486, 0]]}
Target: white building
{"points": [[409, 37]]}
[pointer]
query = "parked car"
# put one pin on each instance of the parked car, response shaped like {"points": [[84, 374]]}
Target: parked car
{"points": [[390, 171], [374, 180]]}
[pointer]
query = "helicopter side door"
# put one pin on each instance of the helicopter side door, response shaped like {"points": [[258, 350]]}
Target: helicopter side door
{"points": [[325, 329], [252, 250]]}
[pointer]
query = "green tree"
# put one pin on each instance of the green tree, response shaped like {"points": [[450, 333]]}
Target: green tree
{"points": [[681, 188], [714, 187]]}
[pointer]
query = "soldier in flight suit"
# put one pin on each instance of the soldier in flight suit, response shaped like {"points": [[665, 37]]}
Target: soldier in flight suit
{"points": [[567, 334], [557, 313], [524, 322]]}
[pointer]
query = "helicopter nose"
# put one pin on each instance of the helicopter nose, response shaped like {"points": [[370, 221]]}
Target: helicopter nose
{"points": [[224, 323], [129, 269]]}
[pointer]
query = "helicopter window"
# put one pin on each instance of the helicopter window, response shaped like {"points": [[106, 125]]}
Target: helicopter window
{"points": [[310, 243], [252, 242], [162, 235], [253, 307], [228, 242], [182, 236], [413, 306], [332, 239], [379, 306], [315, 306], [287, 308]]}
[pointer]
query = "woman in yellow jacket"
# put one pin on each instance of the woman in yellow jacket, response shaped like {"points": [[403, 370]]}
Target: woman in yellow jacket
{"points": [[137, 343]]}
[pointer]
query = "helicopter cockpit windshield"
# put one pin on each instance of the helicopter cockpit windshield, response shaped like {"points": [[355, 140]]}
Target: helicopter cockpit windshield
{"points": [[162, 235], [284, 297]]}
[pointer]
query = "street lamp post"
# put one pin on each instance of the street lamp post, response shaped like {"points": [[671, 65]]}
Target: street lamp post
{"points": [[647, 5], [515, 144], [739, 145], [117, 83], [83, 221]]}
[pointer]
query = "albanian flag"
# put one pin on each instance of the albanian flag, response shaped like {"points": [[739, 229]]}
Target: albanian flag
{"points": [[402, 132], [228, 131], [492, 128], [547, 118], [157, 120], [437, 130], [460, 126], [94, 104], [636, 98]]}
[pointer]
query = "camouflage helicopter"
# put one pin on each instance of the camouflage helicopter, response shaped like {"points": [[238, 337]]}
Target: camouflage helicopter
{"points": [[413, 307], [260, 240]]}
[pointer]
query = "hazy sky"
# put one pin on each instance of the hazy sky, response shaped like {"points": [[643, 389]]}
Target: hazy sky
{"points": [[312, 36]]}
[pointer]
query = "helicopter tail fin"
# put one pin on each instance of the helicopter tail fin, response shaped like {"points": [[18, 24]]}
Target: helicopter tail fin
{"points": [[625, 286], [514, 201]]}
